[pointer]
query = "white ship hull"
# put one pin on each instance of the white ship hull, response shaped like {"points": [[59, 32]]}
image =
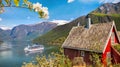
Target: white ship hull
{"points": [[34, 48]]}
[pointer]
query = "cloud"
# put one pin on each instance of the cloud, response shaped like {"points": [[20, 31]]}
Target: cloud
{"points": [[5, 27], [70, 1], [0, 19], [60, 22]]}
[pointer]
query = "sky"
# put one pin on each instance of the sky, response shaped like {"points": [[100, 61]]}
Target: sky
{"points": [[66, 10]]}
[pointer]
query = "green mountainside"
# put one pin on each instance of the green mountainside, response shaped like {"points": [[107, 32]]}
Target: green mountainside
{"points": [[57, 35]]}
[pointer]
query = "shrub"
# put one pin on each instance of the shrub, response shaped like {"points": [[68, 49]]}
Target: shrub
{"points": [[117, 47], [95, 58], [78, 61], [54, 60], [116, 65]]}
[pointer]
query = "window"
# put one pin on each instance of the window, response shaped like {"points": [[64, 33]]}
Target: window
{"points": [[82, 53]]}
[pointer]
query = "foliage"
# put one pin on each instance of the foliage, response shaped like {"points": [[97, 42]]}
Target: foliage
{"points": [[37, 7], [116, 65], [60, 32], [58, 41], [60, 60], [78, 61], [99, 14], [54, 37], [117, 47], [95, 58], [54, 60], [116, 18], [100, 17], [16, 2]]}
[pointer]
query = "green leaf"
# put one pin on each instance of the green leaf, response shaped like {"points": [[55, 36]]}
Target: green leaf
{"points": [[30, 7], [7, 2], [25, 1], [16, 2], [0, 1], [1, 5], [41, 13]]}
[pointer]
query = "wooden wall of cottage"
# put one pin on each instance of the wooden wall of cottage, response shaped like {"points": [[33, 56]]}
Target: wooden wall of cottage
{"points": [[115, 56], [72, 53], [114, 53]]}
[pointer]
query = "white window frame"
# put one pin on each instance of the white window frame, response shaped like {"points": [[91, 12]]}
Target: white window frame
{"points": [[82, 53]]}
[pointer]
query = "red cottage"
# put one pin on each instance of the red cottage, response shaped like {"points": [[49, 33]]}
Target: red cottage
{"points": [[96, 38]]}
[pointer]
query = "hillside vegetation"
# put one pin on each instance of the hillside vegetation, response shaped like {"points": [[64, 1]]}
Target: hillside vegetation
{"points": [[102, 18], [59, 34]]}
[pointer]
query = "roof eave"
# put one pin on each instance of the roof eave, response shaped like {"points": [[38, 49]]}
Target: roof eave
{"points": [[100, 51], [113, 25], [110, 32]]}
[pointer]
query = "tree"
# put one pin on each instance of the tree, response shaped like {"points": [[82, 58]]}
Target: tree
{"points": [[37, 7]]}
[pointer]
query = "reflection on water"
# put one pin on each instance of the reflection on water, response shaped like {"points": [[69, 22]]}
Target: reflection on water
{"points": [[12, 54], [4, 47], [6, 54], [33, 52]]}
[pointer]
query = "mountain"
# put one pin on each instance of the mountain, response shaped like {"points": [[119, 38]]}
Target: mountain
{"points": [[4, 34], [29, 32], [26, 32], [0, 35], [109, 8], [105, 13]]}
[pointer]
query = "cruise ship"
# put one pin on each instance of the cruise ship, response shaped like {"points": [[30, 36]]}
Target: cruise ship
{"points": [[34, 48]]}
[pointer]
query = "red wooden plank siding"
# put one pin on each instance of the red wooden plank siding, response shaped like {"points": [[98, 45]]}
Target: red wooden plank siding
{"points": [[115, 56], [71, 53], [108, 49]]}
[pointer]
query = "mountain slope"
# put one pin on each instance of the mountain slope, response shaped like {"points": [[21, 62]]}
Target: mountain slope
{"points": [[4, 34], [59, 34], [29, 32], [109, 8]]}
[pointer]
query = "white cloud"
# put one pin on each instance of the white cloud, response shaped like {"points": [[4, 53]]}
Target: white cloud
{"points": [[60, 22], [0, 19], [5, 27], [70, 1]]}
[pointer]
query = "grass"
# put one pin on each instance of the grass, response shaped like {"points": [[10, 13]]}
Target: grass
{"points": [[99, 14], [117, 47], [106, 17]]}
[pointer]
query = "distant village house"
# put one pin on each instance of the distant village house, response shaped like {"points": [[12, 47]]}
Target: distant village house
{"points": [[95, 38]]}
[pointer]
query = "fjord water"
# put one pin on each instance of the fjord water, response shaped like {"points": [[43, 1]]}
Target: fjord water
{"points": [[12, 53]]}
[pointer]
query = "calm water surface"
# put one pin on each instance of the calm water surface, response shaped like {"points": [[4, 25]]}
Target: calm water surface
{"points": [[12, 53]]}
